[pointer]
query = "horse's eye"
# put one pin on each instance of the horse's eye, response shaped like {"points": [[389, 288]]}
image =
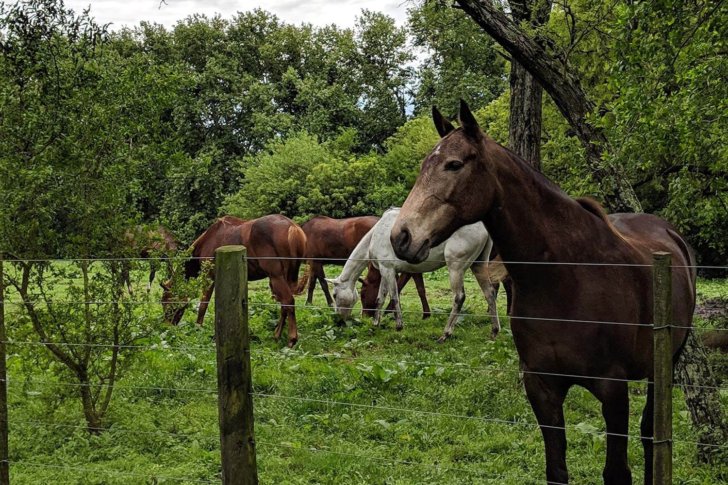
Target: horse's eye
{"points": [[454, 165]]}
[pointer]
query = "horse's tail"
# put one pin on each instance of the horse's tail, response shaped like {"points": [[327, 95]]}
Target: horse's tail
{"points": [[297, 245], [692, 270], [495, 270]]}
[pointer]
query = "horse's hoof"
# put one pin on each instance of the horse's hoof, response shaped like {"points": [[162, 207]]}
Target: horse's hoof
{"points": [[427, 315], [292, 342], [494, 333], [399, 328], [442, 339]]}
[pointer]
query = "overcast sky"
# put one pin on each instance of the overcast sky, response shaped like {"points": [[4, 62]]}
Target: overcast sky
{"points": [[319, 12]]}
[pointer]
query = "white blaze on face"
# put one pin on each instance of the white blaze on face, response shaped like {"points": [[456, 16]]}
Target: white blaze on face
{"points": [[436, 151]]}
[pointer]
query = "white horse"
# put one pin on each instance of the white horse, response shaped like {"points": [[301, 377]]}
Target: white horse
{"points": [[467, 245]]}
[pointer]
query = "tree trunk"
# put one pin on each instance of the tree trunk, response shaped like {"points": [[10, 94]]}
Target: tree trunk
{"points": [[692, 372], [564, 88], [524, 130]]}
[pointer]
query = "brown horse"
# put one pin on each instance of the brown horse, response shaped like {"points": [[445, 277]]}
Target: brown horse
{"points": [[149, 243], [331, 241], [276, 248], [592, 268]]}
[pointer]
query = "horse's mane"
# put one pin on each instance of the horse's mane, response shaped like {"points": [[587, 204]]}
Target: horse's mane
{"points": [[193, 265], [595, 208]]}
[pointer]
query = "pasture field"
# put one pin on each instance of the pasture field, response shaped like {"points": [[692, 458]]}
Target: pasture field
{"points": [[349, 405]]}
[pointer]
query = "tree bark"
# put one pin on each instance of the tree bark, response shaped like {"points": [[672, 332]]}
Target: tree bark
{"points": [[524, 130], [563, 86], [693, 374]]}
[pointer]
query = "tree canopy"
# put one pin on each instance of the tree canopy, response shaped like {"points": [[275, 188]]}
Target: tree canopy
{"points": [[251, 115]]}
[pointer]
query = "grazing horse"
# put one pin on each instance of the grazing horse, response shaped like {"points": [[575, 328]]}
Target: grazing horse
{"points": [[331, 241], [275, 247], [149, 243], [579, 312], [459, 252]]}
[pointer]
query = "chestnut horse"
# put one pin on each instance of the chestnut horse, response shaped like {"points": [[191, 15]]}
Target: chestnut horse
{"points": [[149, 243], [591, 270], [266, 239], [331, 241]]}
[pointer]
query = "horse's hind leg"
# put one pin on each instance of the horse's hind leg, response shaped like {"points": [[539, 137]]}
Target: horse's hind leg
{"points": [[481, 274], [321, 276], [647, 431], [458, 298], [546, 395], [312, 282], [282, 293], [615, 408]]}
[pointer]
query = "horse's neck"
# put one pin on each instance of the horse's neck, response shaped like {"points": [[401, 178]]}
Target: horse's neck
{"points": [[358, 260], [533, 220]]}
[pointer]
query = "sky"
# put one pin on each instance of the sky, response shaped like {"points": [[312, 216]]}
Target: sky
{"points": [[122, 13]]}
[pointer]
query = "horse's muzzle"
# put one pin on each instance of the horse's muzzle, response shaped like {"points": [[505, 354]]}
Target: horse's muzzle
{"points": [[402, 243]]}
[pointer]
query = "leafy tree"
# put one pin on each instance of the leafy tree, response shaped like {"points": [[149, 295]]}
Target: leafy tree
{"points": [[461, 61], [67, 152]]}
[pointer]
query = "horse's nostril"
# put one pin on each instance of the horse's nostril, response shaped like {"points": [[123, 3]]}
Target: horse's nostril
{"points": [[404, 238]]}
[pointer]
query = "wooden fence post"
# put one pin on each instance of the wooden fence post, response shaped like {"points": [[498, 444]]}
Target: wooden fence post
{"points": [[234, 381], [663, 368], [4, 451]]}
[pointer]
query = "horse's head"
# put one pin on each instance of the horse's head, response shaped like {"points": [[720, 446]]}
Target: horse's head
{"points": [[454, 188], [174, 306], [345, 296]]}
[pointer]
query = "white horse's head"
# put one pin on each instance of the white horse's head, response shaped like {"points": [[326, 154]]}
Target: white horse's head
{"points": [[345, 297]]}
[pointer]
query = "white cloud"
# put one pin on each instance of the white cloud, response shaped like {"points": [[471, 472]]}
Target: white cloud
{"points": [[318, 12]]}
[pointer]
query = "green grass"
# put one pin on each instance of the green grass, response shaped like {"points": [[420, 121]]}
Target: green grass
{"points": [[424, 411]]}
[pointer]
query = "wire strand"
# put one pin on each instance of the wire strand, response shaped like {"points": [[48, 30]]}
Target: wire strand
{"points": [[342, 260]]}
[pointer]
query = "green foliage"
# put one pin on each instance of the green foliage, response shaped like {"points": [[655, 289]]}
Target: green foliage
{"points": [[301, 177], [461, 62], [670, 117]]}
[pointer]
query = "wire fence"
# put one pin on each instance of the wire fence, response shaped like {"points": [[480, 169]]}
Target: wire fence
{"points": [[22, 385]]}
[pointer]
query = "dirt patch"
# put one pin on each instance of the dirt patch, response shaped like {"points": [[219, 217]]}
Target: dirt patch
{"points": [[713, 309]]}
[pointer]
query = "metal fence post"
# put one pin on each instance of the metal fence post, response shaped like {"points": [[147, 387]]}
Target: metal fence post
{"points": [[234, 380], [4, 451], [663, 368]]}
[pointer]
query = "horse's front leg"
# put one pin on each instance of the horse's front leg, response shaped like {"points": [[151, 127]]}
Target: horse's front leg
{"points": [[397, 308], [546, 395], [388, 282], [489, 291], [456, 273], [204, 302], [152, 274]]}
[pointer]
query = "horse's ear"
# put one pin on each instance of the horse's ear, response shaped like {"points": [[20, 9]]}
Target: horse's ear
{"points": [[468, 122], [442, 124], [331, 281]]}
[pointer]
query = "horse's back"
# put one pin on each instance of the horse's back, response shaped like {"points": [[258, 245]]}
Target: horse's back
{"points": [[275, 246], [650, 234], [335, 238]]}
